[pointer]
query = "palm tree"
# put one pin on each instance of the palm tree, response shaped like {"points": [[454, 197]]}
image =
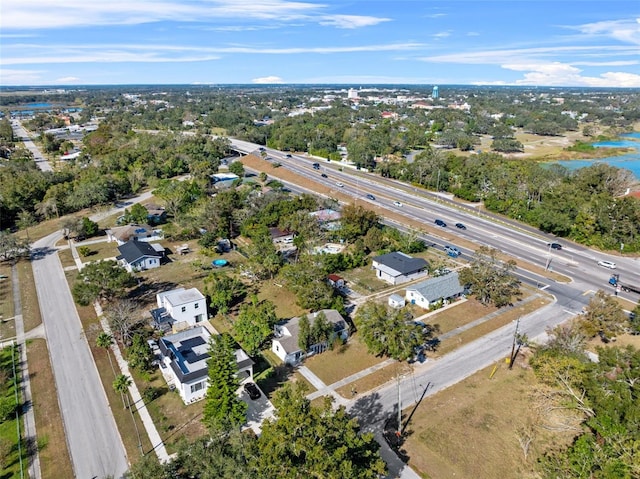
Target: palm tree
{"points": [[121, 384], [105, 340]]}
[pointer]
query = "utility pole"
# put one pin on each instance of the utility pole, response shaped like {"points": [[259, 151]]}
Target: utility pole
{"points": [[399, 431], [513, 345], [546, 266]]}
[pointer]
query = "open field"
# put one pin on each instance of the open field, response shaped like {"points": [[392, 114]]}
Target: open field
{"points": [[374, 380], [342, 361], [282, 298], [55, 461], [471, 429], [7, 324], [99, 251], [13, 454]]}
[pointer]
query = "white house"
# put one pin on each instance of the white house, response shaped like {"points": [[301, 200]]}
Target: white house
{"points": [[179, 309], [396, 301], [444, 288], [396, 268], [122, 234], [138, 256], [183, 362], [285, 341]]}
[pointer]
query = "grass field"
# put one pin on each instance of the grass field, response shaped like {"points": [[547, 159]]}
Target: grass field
{"points": [[99, 251], [7, 324], [28, 296], [54, 455], [12, 452], [471, 429]]}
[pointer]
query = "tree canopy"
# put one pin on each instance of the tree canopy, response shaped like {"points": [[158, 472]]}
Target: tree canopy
{"points": [[101, 280]]}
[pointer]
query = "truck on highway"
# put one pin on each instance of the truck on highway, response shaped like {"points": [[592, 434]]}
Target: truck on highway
{"points": [[615, 281]]}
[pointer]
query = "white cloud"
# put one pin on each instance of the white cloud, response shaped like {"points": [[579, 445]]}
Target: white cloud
{"points": [[619, 63], [442, 34], [67, 80], [351, 21], [473, 34], [45, 14], [562, 74], [627, 31], [436, 15], [266, 80], [19, 77]]}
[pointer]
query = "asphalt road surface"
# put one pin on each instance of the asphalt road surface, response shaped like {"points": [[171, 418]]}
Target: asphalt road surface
{"points": [[94, 442], [21, 133]]}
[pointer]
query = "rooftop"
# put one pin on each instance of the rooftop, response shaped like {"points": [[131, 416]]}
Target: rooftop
{"points": [[440, 287], [401, 263]]}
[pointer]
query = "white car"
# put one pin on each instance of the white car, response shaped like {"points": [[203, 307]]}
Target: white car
{"points": [[398, 204], [607, 264], [339, 185]]}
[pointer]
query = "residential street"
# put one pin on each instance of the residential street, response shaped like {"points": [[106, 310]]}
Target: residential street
{"points": [[94, 442]]}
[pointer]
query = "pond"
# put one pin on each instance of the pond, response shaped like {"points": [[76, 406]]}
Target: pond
{"points": [[629, 161]]}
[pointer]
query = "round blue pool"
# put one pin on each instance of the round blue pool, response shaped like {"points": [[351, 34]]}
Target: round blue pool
{"points": [[219, 263]]}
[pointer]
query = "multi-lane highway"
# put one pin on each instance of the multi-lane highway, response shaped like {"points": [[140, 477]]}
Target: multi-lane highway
{"points": [[515, 239]]}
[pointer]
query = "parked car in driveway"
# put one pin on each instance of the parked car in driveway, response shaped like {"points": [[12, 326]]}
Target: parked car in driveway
{"points": [[252, 390], [607, 264], [440, 223]]}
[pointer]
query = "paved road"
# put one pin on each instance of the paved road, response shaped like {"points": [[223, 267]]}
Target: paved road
{"points": [[21, 133], [94, 442]]}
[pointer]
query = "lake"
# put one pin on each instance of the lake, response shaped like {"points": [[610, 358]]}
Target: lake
{"points": [[629, 161]]}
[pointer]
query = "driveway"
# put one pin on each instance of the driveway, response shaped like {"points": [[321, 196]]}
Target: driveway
{"points": [[94, 442]]}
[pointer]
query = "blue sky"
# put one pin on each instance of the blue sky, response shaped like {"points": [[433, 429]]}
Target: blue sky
{"points": [[512, 42]]}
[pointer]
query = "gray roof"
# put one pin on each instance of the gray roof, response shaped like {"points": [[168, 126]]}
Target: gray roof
{"points": [[134, 250], [290, 342], [433, 289], [402, 263], [179, 296]]}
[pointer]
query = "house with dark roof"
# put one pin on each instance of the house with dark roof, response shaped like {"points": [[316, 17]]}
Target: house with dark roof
{"points": [[396, 268], [183, 361], [138, 255], [179, 309], [441, 288], [286, 334]]}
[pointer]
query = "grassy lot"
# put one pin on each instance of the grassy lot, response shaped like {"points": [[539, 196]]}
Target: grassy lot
{"points": [[54, 456], [352, 357], [28, 296], [471, 429], [363, 280], [506, 317], [99, 251], [284, 300], [66, 258], [13, 447], [459, 315], [7, 324], [374, 380]]}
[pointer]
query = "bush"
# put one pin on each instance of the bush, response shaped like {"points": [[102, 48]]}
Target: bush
{"points": [[84, 251], [151, 393], [7, 408]]}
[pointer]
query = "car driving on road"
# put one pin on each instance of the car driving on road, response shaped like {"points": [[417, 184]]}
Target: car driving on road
{"points": [[339, 185], [607, 264], [557, 246], [371, 197], [461, 226], [440, 223], [398, 204]]}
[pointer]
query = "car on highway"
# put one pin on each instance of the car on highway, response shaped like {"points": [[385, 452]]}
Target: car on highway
{"points": [[607, 264], [252, 390], [339, 185], [398, 204], [557, 246], [324, 175], [371, 197], [288, 155], [452, 251], [440, 223], [316, 166], [461, 226], [262, 148]]}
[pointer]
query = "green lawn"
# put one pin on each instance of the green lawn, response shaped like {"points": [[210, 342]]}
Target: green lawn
{"points": [[7, 325], [99, 251], [10, 443]]}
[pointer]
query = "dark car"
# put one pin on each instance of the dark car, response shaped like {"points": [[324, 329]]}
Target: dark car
{"points": [[316, 166], [324, 175], [441, 223], [252, 390], [556, 246], [461, 226], [371, 197], [288, 155]]}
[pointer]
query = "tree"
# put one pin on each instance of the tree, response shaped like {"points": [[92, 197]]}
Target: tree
{"points": [[88, 228], [121, 384], [254, 324], [223, 409], [603, 316], [491, 281], [139, 355], [26, 220], [304, 333], [12, 247], [315, 442], [237, 168], [223, 291], [138, 214], [123, 319], [356, 221], [308, 281], [101, 280], [321, 329], [389, 332], [264, 259], [105, 340]]}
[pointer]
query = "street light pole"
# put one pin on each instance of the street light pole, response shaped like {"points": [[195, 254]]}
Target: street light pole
{"points": [[513, 345]]}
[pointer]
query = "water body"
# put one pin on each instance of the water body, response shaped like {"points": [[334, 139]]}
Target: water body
{"points": [[628, 161]]}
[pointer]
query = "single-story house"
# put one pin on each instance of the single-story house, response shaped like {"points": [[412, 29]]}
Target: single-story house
{"points": [[223, 180], [285, 340], [155, 214], [396, 301], [183, 362], [181, 307], [396, 268], [280, 237], [326, 216], [122, 234], [336, 281], [425, 293], [138, 255]]}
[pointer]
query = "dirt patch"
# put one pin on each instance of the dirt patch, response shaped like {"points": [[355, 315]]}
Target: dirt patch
{"points": [[472, 428], [55, 461], [28, 296]]}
